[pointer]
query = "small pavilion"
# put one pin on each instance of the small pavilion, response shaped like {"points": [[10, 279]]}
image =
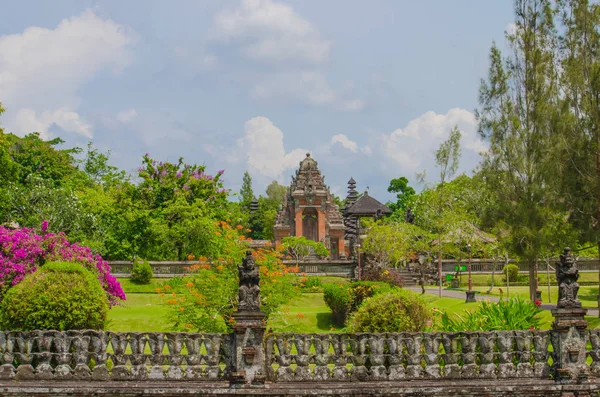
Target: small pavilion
{"points": [[356, 208]]}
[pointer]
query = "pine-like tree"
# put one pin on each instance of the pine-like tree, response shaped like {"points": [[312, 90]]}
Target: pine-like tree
{"points": [[516, 116]]}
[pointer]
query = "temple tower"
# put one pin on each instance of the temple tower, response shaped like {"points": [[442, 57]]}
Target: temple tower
{"points": [[309, 210]]}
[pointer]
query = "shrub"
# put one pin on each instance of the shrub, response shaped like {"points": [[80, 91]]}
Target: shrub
{"points": [[361, 290], [61, 296], [513, 273], [514, 313], [373, 273], [339, 299], [141, 272], [394, 311], [23, 252], [343, 300]]}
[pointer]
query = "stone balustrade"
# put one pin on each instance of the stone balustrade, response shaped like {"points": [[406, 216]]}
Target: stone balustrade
{"points": [[410, 356], [105, 356], [114, 356]]}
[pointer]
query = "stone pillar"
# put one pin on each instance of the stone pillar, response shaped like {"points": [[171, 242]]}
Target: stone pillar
{"points": [[298, 231], [249, 361], [342, 247], [321, 225], [569, 338]]}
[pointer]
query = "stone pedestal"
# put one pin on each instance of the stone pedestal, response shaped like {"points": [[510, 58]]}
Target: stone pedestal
{"points": [[249, 362], [569, 341], [470, 296]]}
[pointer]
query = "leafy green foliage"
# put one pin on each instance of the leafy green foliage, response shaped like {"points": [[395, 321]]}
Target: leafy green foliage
{"points": [[390, 244], [344, 299], [141, 273], [338, 298], [394, 311], [404, 194], [206, 300], [299, 247], [512, 271], [511, 314], [60, 295]]}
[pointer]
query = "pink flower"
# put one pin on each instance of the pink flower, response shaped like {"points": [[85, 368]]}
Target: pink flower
{"points": [[44, 226]]}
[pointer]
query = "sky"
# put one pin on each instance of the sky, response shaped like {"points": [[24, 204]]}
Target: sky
{"points": [[369, 88]]}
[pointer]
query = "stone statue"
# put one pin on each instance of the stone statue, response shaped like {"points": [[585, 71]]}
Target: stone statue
{"points": [[249, 292], [566, 276]]}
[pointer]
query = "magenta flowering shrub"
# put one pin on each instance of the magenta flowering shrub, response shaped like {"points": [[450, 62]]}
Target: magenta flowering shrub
{"points": [[22, 252]]}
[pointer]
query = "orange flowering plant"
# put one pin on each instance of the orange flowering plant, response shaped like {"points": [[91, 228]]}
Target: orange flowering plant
{"points": [[205, 299]]}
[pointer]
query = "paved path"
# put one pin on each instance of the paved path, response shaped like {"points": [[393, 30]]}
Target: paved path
{"points": [[482, 297]]}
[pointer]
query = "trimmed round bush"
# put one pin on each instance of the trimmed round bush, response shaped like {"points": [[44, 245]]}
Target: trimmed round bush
{"points": [[396, 311], [60, 296], [141, 272], [513, 273]]}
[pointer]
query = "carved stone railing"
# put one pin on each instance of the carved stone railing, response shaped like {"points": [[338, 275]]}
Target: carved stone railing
{"points": [[104, 356], [409, 356]]}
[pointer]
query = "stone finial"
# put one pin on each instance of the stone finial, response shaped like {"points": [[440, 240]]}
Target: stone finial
{"points": [[567, 275], [249, 291]]}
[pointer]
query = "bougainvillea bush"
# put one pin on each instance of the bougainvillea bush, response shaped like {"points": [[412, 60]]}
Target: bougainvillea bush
{"points": [[23, 251]]}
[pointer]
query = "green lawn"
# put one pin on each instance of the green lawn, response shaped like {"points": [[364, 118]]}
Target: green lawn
{"points": [[307, 314], [144, 311], [587, 294]]}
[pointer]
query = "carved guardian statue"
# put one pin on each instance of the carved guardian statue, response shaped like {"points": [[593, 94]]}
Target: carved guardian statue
{"points": [[249, 291], [567, 275]]}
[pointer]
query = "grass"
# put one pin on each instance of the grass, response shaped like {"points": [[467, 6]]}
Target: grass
{"points": [[132, 288], [140, 312], [587, 294], [144, 309], [307, 314]]}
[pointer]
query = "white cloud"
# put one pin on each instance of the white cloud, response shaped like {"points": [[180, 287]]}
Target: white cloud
{"points": [[262, 145], [511, 28], [271, 32], [127, 116], [41, 70], [27, 120], [345, 142], [412, 148]]}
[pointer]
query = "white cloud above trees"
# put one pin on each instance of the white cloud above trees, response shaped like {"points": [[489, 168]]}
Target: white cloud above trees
{"points": [[42, 70], [271, 32]]}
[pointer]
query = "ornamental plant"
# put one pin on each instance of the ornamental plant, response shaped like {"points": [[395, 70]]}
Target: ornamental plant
{"points": [[395, 311], [23, 252], [60, 296], [344, 299], [510, 314], [206, 299], [141, 273]]}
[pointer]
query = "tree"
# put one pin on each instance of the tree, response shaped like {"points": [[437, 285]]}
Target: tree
{"points": [[516, 115], [276, 192], [246, 193], [404, 193], [300, 248], [579, 146], [447, 156]]}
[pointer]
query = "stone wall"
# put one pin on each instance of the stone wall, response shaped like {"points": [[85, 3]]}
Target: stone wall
{"points": [[402, 364]]}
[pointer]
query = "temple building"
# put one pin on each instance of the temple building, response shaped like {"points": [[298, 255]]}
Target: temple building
{"points": [[309, 210]]}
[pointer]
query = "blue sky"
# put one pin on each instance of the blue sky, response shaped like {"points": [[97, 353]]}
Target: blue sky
{"points": [[370, 88]]}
